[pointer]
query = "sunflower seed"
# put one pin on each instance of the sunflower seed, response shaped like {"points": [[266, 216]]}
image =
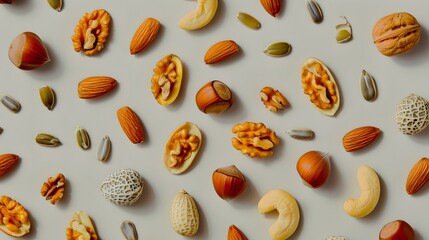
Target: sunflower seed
{"points": [[301, 133], [47, 140], [11, 104], [47, 96], [278, 49], [314, 11], [82, 138], [129, 230], [248, 20], [368, 86], [56, 4], [103, 150], [344, 31]]}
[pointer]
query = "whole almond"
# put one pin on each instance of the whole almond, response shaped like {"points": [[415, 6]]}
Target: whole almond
{"points": [[131, 124], [359, 138], [144, 35], [418, 176], [7, 162], [272, 6], [221, 51], [235, 234], [96, 86]]}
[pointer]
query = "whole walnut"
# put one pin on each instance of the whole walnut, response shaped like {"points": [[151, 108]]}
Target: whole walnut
{"points": [[396, 33]]}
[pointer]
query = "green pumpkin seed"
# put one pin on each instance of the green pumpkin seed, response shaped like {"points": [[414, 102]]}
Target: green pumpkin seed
{"points": [[11, 104], [82, 138], [47, 140], [368, 86], [47, 96], [56, 4], [301, 133], [278, 49], [103, 150], [248, 20], [314, 11], [344, 32]]}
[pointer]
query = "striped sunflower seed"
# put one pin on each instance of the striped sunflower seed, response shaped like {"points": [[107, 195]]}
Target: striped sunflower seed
{"points": [[11, 104], [56, 4], [47, 140], [278, 49], [47, 96], [301, 133], [315, 11], [368, 86], [103, 150], [248, 20], [344, 31], [82, 138]]}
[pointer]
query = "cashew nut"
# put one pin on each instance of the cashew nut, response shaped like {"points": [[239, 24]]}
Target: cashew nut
{"points": [[288, 209], [200, 16], [370, 193]]}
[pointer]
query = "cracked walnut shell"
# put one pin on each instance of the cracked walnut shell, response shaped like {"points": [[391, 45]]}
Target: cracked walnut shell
{"points": [[90, 34], [396, 33], [53, 188], [167, 79], [14, 219], [254, 139]]}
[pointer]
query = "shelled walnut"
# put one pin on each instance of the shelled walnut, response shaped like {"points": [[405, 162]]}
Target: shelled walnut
{"points": [[273, 99], [167, 79], [14, 219], [80, 227], [91, 33], [254, 139], [53, 188]]}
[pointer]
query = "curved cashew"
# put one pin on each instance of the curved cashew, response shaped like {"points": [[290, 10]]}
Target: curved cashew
{"points": [[288, 209], [370, 193], [200, 16]]}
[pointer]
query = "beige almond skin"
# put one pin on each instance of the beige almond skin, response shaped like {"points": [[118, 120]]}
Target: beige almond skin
{"points": [[96, 86], [418, 176], [272, 6], [360, 137], [221, 51], [7, 162], [144, 35], [131, 124]]}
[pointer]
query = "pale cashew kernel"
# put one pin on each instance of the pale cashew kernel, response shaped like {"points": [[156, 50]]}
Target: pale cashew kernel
{"points": [[200, 16], [262, 143], [165, 90], [369, 184], [287, 207]]}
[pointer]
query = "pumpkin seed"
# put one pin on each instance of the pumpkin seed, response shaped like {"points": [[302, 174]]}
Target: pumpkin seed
{"points": [[11, 104], [56, 4], [314, 11], [248, 20], [129, 230], [47, 96], [47, 140], [368, 86], [301, 133], [344, 31], [278, 49], [103, 150], [82, 138]]}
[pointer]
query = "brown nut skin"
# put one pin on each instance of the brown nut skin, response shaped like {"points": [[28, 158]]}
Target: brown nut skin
{"points": [[396, 33], [7, 1], [214, 97], [235, 234], [28, 52], [314, 168], [397, 230], [228, 182]]}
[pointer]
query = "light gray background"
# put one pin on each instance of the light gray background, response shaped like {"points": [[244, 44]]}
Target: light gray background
{"points": [[392, 156]]}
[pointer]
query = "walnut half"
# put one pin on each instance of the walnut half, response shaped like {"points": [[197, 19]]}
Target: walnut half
{"points": [[91, 33], [273, 99], [14, 219], [254, 139], [53, 188]]}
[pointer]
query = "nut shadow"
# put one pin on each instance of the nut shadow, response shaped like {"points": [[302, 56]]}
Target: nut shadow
{"points": [[248, 199], [231, 115], [64, 202], [52, 68], [334, 185], [33, 231], [144, 203], [203, 230]]}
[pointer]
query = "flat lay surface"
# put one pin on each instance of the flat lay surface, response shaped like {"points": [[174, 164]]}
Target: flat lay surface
{"points": [[392, 155]]}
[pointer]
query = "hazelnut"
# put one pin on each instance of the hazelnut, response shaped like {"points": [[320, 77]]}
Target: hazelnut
{"points": [[314, 168], [214, 97], [397, 230], [228, 182], [28, 52]]}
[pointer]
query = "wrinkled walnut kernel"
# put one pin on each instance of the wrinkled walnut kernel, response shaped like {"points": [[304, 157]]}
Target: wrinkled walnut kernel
{"points": [[181, 147], [319, 87], [273, 99], [164, 77], [254, 139], [53, 188], [14, 217]]}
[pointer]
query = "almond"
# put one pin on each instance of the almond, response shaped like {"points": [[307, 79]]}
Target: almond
{"points": [[272, 6], [131, 124], [235, 234], [144, 35], [359, 138], [418, 176], [221, 51], [96, 86], [7, 162]]}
